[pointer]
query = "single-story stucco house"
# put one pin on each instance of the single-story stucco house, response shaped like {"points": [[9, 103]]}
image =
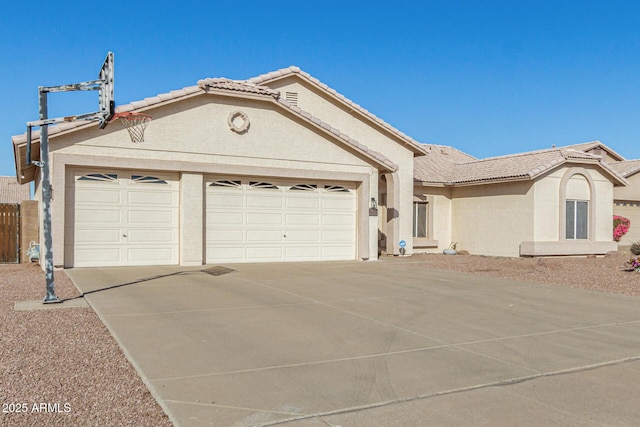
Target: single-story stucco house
{"points": [[556, 201], [281, 167]]}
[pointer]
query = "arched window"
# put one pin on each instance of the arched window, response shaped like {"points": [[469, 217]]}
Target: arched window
{"points": [[577, 205]]}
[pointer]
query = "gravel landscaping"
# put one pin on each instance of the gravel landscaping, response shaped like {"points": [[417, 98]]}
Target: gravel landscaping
{"points": [[61, 367]]}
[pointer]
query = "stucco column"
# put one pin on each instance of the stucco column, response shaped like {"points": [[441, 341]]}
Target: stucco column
{"points": [[363, 220], [372, 218], [393, 212], [191, 219], [58, 214]]}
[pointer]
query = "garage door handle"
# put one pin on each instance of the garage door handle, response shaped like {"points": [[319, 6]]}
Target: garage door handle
{"points": [[124, 235]]}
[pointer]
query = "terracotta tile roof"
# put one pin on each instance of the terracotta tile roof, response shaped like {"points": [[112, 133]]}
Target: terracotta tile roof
{"points": [[209, 85], [438, 165], [626, 168], [417, 147], [587, 146], [514, 167], [237, 86], [12, 192]]}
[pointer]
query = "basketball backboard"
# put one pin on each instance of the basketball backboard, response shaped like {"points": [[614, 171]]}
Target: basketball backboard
{"points": [[107, 102]]}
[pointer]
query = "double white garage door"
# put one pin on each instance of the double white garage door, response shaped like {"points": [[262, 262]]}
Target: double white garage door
{"points": [[117, 218], [252, 220]]}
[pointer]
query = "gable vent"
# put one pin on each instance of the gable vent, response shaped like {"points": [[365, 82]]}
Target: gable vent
{"points": [[291, 97]]}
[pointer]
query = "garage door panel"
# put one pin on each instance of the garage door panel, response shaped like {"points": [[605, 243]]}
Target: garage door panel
{"points": [[265, 253], [150, 235], [264, 236], [265, 201], [295, 236], [338, 219], [302, 252], [302, 219], [229, 200], [226, 218], [94, 237], [150, 217], [98, 257], [261, 218], [302, 203], [98, 217], [340, 204], [150, 198], [144, 255], [225, 236], [98, 197], [225, 253]]}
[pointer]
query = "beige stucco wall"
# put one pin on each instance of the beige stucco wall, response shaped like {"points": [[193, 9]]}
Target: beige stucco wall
{"points": [[604, 207], [196, 130], [627, 204], [193, 137], [440, 217], [492, 219], [631, 192], [546, 212], [313, 101]]}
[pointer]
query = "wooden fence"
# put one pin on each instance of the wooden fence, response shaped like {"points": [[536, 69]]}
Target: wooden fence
{"points": [[9, 233]]}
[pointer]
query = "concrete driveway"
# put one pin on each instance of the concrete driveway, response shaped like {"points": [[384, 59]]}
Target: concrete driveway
{"points": [[387, 343]]}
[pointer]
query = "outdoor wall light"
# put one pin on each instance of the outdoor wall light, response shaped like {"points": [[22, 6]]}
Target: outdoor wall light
{"points": [[374, 203]]}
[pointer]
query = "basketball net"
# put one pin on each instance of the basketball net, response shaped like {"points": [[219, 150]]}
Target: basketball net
{"points": [[135, 123]]}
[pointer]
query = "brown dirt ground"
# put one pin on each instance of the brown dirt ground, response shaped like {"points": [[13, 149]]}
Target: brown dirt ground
{"points": [[605, 274]]}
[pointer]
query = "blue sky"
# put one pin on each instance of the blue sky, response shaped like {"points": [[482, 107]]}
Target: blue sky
{"points": [[487, 77]]}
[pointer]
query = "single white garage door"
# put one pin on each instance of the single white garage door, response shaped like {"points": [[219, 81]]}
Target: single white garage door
{"points": [[119, 218], [259, 220]]}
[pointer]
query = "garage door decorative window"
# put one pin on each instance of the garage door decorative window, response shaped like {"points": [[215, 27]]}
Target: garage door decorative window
{"points": [[108, 177], [335, 189], [225, 183], [304, 187], [259, 184], [147, 179]]}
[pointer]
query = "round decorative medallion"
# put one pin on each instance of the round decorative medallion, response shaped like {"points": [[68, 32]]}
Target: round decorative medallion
{"points": [[238, 122]]}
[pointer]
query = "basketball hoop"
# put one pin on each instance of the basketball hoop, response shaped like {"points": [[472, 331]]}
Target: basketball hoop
{"points": [[135, 124]]}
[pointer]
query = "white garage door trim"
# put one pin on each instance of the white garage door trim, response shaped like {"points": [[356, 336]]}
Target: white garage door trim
{"points": [[265, 220], [121, 218]]}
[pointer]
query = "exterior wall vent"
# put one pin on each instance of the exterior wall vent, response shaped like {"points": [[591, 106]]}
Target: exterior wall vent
{"points": [[291, 97]]}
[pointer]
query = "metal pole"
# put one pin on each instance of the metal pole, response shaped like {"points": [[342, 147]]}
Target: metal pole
{"points": [[50, 297]]}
